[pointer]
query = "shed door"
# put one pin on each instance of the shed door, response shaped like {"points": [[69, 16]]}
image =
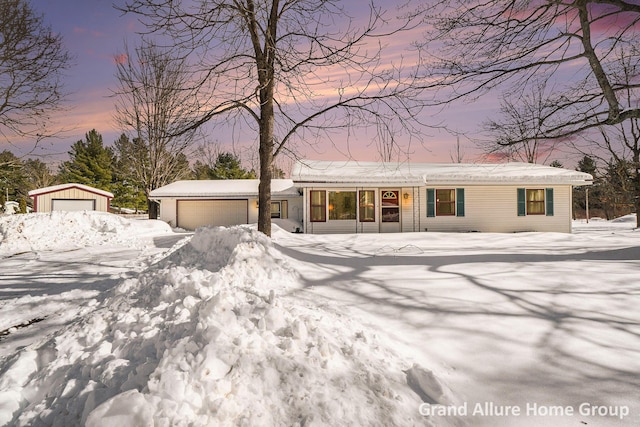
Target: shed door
{"points": [[73, 205], [198, 213]]}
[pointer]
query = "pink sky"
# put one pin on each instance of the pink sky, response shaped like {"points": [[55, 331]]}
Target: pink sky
{"points": [[94, 33]]}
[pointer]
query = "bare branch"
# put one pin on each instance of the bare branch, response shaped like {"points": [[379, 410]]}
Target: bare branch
{"points": [[32, 63], [476, 46]]}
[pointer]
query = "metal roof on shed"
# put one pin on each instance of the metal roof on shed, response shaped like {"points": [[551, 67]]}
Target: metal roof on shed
{"points": [[62, 187]]}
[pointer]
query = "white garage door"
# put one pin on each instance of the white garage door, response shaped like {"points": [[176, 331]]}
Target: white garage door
{"points": [[73, 205], [197, 213]]}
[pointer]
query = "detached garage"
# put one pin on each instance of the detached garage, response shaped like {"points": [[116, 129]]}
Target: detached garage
{"points": [[197, 203], [70, 197]]}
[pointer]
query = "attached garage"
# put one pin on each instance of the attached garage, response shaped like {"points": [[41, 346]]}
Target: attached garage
{"points": [[70, 197], [198, 213], [198, 203]]}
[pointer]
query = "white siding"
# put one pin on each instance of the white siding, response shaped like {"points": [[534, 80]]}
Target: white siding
{"points": [[487, 209], [410, 212], [296, 209], [168, 211], [495, 209]]}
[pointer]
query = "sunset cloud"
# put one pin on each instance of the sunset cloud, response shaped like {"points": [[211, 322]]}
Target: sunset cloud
{"points": [[120, 59]]}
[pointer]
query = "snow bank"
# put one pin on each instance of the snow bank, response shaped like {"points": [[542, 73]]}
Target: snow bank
{"points": [[60, 230], [212, 335]]}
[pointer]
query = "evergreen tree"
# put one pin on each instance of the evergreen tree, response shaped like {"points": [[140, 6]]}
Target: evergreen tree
{"points": [[142, 170], [588, 165], [13, 180], [201, 170], [91, 163], [226, 166], [617, 188], [128, 181], [556, 164]]}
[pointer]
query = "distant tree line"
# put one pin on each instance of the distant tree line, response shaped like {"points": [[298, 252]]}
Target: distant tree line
{"points": [[123, 169], [613, 193]]}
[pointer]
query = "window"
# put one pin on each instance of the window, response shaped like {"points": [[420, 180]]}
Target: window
{"points": [[275, 209], [390, 206], [445, 202], [535, 201], [367, 206], [318, 206], [342, 205], [279, 209]]}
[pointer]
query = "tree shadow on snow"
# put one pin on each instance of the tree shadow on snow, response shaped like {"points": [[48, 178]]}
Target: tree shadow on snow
{"points": [[586, 339]]}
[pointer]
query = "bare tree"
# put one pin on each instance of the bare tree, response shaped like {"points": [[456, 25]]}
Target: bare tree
{"points": [[457, 156], [32, 63], [619, 145], [517, 134], [292, 70], [154, 104], [475, 46]]}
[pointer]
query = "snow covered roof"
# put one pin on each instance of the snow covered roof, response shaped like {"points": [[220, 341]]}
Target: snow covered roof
{"points": [[235, 188], [61, 187], [307, 173]]}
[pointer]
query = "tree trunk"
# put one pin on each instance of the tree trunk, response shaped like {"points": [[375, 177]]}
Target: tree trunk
{"points": [[266, 161], [636, 193]]}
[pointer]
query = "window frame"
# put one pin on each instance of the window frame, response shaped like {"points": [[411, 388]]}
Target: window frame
{"points": [[320, 207], [450, 203], [458, 202], [537, 203], [362, 207], [279, 210], [346, 214], [524, 204]]}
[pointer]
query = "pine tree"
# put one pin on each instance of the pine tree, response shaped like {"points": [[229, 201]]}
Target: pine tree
{"points": [[588, 165], [226, 166], [22, 204], [90, 163], [13, 181]]}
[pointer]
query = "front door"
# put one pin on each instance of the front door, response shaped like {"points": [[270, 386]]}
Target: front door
{"points": [[390, 211]]}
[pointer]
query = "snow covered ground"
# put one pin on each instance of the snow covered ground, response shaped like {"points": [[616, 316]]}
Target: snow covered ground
{"points": [[108, 321]]}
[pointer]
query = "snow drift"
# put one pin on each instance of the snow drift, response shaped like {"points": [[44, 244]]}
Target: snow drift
{"points": [[60, 230], [211, 335]]}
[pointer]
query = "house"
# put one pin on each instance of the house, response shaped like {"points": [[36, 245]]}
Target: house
{"points": [[196, 203], [374, 197], [70, 197]]}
